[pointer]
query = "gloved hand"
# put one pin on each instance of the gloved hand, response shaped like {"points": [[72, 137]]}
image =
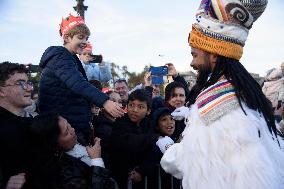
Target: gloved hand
{"points": [[180, 113], [164, 143]]}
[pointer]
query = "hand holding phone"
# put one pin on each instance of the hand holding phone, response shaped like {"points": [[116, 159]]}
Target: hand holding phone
{"points": [[171, 69], [96, 58]]}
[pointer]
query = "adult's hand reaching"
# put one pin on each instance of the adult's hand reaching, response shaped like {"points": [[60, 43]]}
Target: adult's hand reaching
{"points": [[113, 108]]}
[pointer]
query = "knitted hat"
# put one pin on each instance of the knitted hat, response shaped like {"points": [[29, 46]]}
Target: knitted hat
{"points": [[223, 25]]}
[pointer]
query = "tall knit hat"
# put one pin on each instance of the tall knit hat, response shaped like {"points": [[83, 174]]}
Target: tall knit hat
{"points": [[222, 26]]}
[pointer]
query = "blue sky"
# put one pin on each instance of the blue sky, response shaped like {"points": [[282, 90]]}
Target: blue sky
{"points": [[131, 32]]}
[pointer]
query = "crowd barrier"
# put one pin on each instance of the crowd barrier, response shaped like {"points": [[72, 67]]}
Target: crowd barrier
{"points": [[129, 182]]}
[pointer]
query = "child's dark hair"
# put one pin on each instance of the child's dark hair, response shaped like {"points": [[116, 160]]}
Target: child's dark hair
{"points": [[7, 69], [141, 95]]}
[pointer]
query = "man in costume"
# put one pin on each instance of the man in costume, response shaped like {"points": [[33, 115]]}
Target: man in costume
{"points": [[230, 140]]}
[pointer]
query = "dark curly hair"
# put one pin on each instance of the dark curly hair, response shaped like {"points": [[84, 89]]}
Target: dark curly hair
{"points": [[7, 69]]}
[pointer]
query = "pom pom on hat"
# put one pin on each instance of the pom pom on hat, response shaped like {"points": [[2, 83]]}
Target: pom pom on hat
{"points": [[222, 26]]}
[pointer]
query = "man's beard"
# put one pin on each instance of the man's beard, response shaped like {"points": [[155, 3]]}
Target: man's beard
{"points": [[201, 80], [203, 74]]}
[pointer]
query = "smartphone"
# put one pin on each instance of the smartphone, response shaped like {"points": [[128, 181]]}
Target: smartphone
{"points": [[96, 58], [159, 71], [157, 80]]}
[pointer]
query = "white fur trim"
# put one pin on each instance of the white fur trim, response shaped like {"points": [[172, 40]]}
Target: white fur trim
{"points": [[227, 154]]}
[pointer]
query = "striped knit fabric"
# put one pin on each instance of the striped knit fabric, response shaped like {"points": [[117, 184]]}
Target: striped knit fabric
{"points": [[216, 101]]}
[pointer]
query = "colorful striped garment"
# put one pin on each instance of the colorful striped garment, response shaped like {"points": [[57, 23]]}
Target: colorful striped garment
{"points": [[216, 101]]}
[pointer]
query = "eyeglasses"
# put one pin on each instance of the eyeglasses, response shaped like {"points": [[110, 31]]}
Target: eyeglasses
{"points": [[24, 85]]}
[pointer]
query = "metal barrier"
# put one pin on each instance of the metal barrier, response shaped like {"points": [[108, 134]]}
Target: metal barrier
{"points": [[130, 186]]}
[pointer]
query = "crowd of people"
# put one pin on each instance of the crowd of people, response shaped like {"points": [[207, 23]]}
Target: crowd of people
{"points": [[224, 132]]}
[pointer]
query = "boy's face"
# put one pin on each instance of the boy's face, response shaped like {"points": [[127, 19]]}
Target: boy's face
{"points": [[137, 110], [76, 44], [16, 92], [166, 125]]}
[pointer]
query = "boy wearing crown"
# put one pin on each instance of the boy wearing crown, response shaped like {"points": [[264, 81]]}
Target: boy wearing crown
{"points": [[64, 86], [230, 140]]}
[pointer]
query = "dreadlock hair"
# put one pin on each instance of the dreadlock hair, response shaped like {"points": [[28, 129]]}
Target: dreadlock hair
{"points": [[247, 89]]}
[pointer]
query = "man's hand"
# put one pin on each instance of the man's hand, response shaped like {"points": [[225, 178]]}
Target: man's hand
{"points": [[135, 176], [16, 181], [113, 108], [171, 70], [95, 151]]}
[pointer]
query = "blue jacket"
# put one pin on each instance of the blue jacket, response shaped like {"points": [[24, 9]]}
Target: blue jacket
{"points": [[64, 88], [96, 72]]}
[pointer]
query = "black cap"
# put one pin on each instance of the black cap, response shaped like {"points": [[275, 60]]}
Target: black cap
{"points": [[158, 113]]}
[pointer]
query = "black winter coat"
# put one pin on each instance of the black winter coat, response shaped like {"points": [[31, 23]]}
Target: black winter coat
{"points": [[102, 129], [15, 157], [130, 145], [76, 174], [68, 172], [64, 88]]}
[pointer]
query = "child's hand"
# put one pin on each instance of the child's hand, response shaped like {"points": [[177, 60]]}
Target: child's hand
{"points": [[135, 176], [164, 143], [113, 108], [95, 151], [16, 181]]}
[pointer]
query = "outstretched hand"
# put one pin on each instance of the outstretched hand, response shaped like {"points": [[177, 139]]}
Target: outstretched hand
{"points": [[113, 108]]}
